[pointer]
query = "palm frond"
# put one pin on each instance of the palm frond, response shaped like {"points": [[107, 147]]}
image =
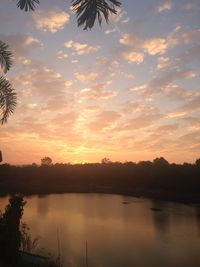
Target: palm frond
{"points": [[87, 11], [27, 5], [8, 99], [6, 57]]}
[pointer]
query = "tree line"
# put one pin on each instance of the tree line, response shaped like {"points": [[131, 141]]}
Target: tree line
{"points": [[157, 179]]}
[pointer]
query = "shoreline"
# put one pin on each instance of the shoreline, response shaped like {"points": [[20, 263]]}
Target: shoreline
{"points": [[178, 197]]}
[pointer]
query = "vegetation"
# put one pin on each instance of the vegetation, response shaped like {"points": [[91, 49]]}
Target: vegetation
{"points": [[8, 99], [157, 179], [87, 11], [15, 238], [46, 161], [10, 236]]}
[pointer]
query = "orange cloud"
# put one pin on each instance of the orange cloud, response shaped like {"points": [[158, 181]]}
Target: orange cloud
{"points": [[51, 21]]}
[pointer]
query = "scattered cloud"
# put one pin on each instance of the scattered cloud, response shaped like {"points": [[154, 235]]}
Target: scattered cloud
{"points": [[86, 76], [155, 46], [110, 31], [164, 6], [106, 119], [188, 6], [164, 83], [81, 48], [133, 57], [21, 44], [97, 91], [50, 21], [62, 55]]}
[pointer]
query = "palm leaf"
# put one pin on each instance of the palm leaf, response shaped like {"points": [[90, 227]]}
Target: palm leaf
{"points": [[27, 5], [5, 57], [8, 99], [87, 11]]}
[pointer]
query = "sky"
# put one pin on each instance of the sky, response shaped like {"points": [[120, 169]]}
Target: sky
{"points": [[128, 90]]}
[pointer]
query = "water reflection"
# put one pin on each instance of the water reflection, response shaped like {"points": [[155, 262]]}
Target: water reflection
{"points": [[42, 205], [161, 218], [197, 212], [117, 234]]}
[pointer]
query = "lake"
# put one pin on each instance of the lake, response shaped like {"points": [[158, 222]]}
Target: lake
{"points": [[120, 231]]}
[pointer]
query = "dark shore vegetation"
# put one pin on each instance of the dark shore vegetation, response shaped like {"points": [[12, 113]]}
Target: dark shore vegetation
{"points": [[157, 179], [16, 246]]}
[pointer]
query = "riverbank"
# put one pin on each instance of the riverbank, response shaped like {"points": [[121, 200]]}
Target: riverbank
{"points": [[168, 182]]}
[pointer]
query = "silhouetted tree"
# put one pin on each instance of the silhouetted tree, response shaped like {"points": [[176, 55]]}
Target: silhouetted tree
{"points": [[46, 161], [105, 161], [10, 236], [87, 11], [7, 93], [197, 162], [160, 161]]}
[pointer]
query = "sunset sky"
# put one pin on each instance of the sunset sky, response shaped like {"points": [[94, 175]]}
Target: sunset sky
{"points": [[129, 90]]}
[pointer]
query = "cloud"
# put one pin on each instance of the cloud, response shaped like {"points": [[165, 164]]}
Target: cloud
{"points": [[106, 119], [155, 46], [191, 105], [134, 48], [86, 76], [62, 55], [164, 6], [81, 48], [181, 60], [21, 44], [192, 123], [121, 16], [151, 46], [42, 81], [50, 21], [133, 57], [163, 62], [97, 91], [188, 6], [141, 121], [110, 31], [164, 83], [167, 128]]}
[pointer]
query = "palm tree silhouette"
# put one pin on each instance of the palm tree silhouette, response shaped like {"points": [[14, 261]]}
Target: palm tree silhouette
{"points": [[8, 97], [87, 11]]}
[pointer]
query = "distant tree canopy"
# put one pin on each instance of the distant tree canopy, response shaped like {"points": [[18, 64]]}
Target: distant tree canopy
{"points": [[46, 161], [158, 179], [1, 156], [105, 161], [160, 161], [197, 162], [87, 12]]}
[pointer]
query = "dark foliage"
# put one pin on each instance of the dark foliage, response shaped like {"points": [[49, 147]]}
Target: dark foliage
{"points": [[27, 5], [157, 179], [10, 231], [8, 99], [6, 57], [87, 11], [46, 161], [7, 93]]}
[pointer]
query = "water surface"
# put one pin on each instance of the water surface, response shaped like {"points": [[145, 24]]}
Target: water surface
{"points": [[120, 231]]}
